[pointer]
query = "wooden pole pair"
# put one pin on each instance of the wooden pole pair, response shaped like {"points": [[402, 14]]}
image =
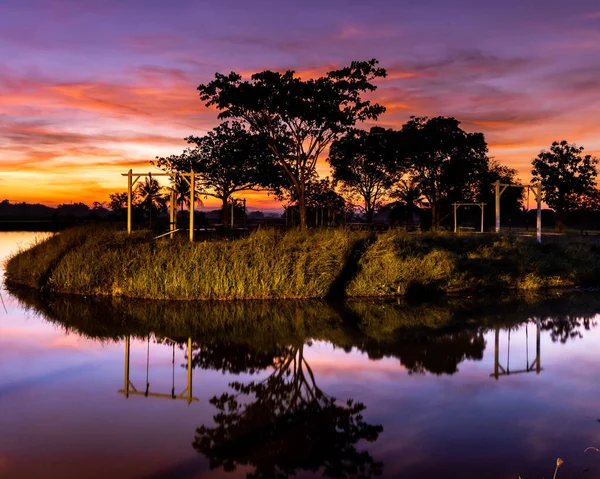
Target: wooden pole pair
{"points": [[191, 182], [537, 191]]}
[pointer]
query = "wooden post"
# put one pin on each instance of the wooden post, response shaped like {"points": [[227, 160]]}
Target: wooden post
{"points": [[189, 370], [192, 203], [129, 200], [173, 213], [126, 380], [455, 224], [482, 207], [498, 206], [538, 197], [245, 214]]}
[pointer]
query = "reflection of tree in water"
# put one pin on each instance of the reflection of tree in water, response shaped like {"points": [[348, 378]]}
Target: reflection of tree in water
{"points": [[288, 424], [437, 354], [235, 358], [565, 327]]}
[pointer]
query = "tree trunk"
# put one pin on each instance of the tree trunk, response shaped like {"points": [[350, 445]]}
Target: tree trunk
{"points": [[434, 225], [225, 210], [369, 215], [302, 206]]}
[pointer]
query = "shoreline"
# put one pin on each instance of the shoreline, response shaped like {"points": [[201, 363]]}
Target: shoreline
{"points": [[318, 264]]}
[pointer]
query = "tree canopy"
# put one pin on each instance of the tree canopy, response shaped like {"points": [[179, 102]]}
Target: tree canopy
{"points": [[447, 163], [366, 163], [568, 177], [227, 160], [299, 117]]}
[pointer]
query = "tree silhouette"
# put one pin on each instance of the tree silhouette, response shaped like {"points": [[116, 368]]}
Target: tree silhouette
{"points": [[567, 176], [288, 425], [228, 159], [299, 117], [366, 163], [149, 193], [447, 163]]}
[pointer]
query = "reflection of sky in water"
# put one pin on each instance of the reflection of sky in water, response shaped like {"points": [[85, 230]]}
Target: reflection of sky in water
{"points": [[61, 414]]}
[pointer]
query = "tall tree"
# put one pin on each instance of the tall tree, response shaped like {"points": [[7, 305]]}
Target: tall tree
{"points": [[568, 177], [447, 163], [299, 117], [366, 163], [227, 160], [151, 196]]}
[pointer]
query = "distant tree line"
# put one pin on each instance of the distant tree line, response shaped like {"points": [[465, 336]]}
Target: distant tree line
{"points": [[277, 125]]}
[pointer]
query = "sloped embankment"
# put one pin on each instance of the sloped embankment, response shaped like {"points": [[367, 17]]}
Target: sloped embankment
{"points": [[313, 264]]}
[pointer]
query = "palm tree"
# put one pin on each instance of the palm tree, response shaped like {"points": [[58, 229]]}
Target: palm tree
{"points": [[150, 194]]}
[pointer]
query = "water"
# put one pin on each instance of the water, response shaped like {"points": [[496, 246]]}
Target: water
{"points": [[425, 403]]}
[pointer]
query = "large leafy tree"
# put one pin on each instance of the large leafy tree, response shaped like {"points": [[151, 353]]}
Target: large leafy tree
{"points": [[446, 162], [366, 163], [299, 117], [568, 177], [227, 160]]}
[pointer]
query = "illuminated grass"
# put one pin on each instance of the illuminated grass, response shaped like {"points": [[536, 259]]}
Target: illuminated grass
{"points": [[294, 264]]}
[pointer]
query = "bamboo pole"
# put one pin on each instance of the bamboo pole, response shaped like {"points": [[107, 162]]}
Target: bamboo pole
{"points": [[126, 380], [189, 370], [482, 207], [129, 199], [538, 197], [538, 366], [455, 223], [245, 215], [192, 204], [496, 352], [498, 206], [173, 212]]}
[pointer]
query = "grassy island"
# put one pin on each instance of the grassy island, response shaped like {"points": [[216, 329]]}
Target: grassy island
{"points": [[272, 264]]}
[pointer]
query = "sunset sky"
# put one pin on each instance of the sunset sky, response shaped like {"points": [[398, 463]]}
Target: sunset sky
{"points": [[89, 89]]}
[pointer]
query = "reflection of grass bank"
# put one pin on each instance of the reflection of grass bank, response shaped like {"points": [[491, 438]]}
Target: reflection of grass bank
{"points": [[431, 337], [314, 264]]}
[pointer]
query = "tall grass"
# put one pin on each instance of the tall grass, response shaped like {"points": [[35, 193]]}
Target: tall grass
{"points": [[295, 264]]}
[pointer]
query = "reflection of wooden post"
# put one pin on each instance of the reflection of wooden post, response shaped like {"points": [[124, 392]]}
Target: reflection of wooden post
{"points": [[126, 381], [129, 199], [189, 371], [192, 203], [538, 366], [454, 217], [498, 206], [538, 197], [496, 352]]}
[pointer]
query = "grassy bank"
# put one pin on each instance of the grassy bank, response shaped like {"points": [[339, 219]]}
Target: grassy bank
{"points": [[313, 264]]}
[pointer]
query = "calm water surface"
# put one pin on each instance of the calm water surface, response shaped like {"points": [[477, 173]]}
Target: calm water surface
{"points": [[103, 389]]}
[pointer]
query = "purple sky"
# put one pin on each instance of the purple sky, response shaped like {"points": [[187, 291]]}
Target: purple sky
{"points": [[90, 89]]}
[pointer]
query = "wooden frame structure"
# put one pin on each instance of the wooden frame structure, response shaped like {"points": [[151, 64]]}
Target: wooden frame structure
{"points": [[130, 389], [535, 365], [190, 179], [457, 205], [537, 191]]}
